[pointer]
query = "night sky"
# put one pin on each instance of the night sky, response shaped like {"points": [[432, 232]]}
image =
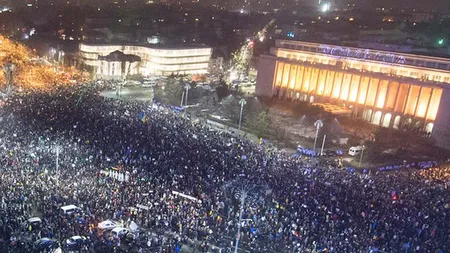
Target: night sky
{"points": [[418, 4]]}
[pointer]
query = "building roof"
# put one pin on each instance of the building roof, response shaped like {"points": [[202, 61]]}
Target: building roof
{"points": [[155, 46]]}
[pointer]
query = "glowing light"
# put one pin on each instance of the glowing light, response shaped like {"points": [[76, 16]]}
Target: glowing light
{"points": [[441, 42], [325, 7], [351, 19]]}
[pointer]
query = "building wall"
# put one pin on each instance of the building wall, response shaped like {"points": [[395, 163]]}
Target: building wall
{"points": [[157, 61], [381, 100], [441, 132], [264, 79], [390, 90]]}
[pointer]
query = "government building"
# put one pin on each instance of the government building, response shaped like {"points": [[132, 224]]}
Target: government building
{"points": [[388, 89], [109, 61]]}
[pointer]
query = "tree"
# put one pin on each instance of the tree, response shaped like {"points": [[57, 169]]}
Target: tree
{"points": [[170, 93], [230, 108], [260, 123], [222, 90]]}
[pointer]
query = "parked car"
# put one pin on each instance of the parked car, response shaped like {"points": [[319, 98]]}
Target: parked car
{"points": [[119, 231], [108, 225], [35, 223], [354, 151], [70, 209], [75, 242], [45, 244]]}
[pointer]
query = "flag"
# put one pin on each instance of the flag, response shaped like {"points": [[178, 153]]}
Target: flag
{"points": [[143, 117]]}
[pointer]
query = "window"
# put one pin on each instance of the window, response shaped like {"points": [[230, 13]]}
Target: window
{"points": [[408, 61], [442, 66], [420, 63], [431, 64]]}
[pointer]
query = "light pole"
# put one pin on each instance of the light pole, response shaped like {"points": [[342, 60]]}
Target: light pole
{"points": [[242, 102], [323, 144], [187, 87], [362, 153], [182, 98], [57, 149], [242, 189], [318, 124]]}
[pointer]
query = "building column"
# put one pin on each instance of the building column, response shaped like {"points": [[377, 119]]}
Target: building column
{"points": [[396, 97], [303, 80], [317, 83], [280, 93], [406, 102], [367, 93], [375, 102], [325, 83], [342, 81], [417, 102], [429, 102], [295, 79], [332, 85], [357, 96], [404, 107], [386, 96], [309, 81], [349, 88]]}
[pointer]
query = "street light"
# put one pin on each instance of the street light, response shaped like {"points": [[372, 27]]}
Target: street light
{"points": [[187, 87], [242, 190], [242, 102], [323, 145], [362, 153], [318, 124]]}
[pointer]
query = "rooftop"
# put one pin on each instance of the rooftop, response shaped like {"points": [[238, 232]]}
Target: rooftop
{"points": [[154, 46]]}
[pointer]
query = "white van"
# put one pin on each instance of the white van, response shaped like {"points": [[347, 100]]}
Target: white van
{"points": [[70, 209], [354, 151]]}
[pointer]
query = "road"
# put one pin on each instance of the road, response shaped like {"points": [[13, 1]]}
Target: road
{"points": [[130, 93]]}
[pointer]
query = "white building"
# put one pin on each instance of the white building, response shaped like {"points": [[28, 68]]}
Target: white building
{"points": [[388, 89], [155, 60]]}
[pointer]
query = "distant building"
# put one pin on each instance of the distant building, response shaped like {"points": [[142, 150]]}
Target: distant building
{"points": [[154, 60], [402, 91], [386, 46]]}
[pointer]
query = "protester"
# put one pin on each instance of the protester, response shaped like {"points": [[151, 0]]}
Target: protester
{"points": [[305, 207]]}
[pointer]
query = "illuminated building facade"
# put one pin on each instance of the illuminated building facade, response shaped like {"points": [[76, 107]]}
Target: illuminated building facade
{"points": [[154, 60], [387, 89]]}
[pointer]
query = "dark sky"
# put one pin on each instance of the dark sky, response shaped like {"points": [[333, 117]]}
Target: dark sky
{"points": [[418, 4]]}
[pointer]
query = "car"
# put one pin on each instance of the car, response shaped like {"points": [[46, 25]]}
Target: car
{"points": [[70, 209], [354, 151], [108, 225], [329, 153], [34, 222], [45, 244], [119, 232], [75, 242]]}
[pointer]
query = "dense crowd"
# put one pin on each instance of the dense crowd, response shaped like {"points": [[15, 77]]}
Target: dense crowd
{"points": [[305, 206], [436, 174]]}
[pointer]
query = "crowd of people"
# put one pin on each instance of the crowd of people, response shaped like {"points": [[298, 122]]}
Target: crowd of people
{"points": [[303, 207], [436, 174]]}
